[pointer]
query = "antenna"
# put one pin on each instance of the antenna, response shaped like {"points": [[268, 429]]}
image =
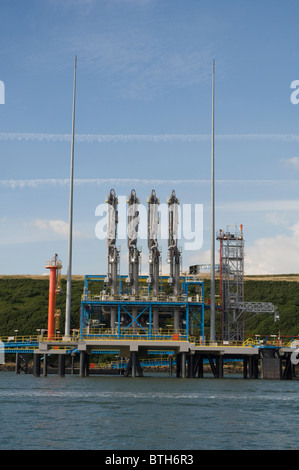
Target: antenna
{"points": [[69, 269]]}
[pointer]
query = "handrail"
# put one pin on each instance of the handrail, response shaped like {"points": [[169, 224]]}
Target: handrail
{"points": [[129, 334], [19, 339]]}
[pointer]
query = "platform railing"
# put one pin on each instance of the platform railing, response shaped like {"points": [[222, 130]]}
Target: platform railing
{"points": [[169, 334], [19, 339]]}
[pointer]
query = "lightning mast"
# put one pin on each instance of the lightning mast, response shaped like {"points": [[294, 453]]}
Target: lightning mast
{"points": [[69, 268], [213, 314]]}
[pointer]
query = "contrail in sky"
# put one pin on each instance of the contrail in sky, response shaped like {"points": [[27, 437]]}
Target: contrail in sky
{"points": [[123, 138], [39, 182]]}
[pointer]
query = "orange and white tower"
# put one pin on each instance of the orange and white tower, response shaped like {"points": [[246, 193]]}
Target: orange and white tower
{"points": [[55, 266]]}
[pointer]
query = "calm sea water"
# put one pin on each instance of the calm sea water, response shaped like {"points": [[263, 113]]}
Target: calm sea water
{"points": [[151, 413]]}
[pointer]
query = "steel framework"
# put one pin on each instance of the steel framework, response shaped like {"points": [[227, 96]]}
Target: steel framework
{"points": [[232, 287], [232, 283]]}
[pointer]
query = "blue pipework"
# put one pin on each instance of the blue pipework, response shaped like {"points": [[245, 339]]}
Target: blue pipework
{"points": [[93, 307]]}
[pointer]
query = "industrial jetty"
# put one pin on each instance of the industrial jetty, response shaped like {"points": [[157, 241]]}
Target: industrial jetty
{"points": [[135, 316]]}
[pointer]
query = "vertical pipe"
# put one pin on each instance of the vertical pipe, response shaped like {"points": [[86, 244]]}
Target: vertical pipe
{"points": [[69, 269], [212, 319], [52, 302]]}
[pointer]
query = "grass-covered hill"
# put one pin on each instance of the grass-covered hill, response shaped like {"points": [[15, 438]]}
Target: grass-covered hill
{"points": [[24, 304]]}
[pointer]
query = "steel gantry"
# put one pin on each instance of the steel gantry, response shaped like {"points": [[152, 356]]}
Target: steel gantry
{"points": [[231, 282]]}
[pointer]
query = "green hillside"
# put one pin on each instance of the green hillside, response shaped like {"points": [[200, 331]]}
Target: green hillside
{"points": [[24, 304]]}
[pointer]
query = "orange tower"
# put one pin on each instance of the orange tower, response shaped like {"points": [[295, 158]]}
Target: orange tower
{"points": [[54, 287]]}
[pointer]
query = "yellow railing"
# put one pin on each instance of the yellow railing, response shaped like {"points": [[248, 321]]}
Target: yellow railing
{"points": [[102, 334], [19, 339]]}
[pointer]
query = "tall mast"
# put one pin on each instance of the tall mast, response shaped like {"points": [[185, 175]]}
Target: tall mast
{"points": [[212, 318], [69, 269]]}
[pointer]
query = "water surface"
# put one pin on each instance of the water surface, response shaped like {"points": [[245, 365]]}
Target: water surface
{"points": [[147, 413]]}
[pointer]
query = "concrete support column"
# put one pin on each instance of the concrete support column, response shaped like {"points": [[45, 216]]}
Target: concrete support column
{"points": [[36, 365], [134, 363], [184, 360], [61, 365], [82, 364], [191, 372]]}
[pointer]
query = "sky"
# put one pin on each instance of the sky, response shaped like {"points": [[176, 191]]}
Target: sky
{"points": [[143, 121]]}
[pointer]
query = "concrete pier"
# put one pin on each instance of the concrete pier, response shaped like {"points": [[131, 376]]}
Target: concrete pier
{"points": [[265, 362]]}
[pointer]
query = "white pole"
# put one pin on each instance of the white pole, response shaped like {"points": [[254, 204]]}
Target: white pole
{"points": [[212, 319], [69, 269]]}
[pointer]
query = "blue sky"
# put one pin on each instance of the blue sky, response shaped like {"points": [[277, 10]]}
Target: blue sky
{"points": [[143, 121]]}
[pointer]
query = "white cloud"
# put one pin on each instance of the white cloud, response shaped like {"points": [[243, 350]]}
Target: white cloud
{"points": [[268, 255], [292, 162], [59, 227], [274, 255]]}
